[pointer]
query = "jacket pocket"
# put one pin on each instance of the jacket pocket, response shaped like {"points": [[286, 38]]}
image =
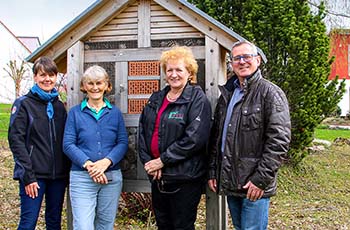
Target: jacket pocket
{"points": [[251, 117]]}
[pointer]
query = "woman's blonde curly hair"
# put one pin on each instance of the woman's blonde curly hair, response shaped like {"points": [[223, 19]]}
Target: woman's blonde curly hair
{"points": [[181, 53]]}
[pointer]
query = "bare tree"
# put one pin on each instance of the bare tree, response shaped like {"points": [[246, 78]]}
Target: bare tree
{"points": [[337, 13], [17, 74]]}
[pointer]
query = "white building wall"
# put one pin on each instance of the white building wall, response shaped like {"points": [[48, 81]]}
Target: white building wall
{"points": [[344, 104], [11, 49]]}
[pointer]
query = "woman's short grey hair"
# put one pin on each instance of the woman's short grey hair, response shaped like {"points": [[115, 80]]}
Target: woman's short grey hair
{"points": [[95, 73]]}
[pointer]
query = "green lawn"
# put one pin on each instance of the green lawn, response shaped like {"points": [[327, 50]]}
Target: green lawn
{"points": [[5, 110], [331, 134]]}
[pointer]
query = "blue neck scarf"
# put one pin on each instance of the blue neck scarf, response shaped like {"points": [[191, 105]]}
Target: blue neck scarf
{"points": [[48, 97]]}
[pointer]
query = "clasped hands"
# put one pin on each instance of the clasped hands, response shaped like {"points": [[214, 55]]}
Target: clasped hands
{"points": [[96, 170], [154, 168]]}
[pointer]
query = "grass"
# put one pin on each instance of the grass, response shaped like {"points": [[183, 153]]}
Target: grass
{"points": [[5, 110], [316, 196], [331, 134]]}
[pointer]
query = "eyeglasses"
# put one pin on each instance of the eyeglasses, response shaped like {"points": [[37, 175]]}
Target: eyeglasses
{"points": [[245, 57]]}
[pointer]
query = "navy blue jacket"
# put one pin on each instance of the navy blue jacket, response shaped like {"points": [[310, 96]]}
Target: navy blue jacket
{"points": [[36, 142], [183, 134]]}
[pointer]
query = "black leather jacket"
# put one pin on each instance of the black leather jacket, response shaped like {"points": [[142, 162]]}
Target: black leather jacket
{"points": [[183, 134], [257, 138]]}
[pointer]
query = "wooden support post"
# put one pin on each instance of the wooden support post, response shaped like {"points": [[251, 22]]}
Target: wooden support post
{"points": [[75, 65], [215, 74], [216, 215], [215, 69], [144, 24], [75, 68]]}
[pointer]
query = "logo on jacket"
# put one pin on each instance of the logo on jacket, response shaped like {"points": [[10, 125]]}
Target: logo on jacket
{"points": [[14, 109], [176, 115]]}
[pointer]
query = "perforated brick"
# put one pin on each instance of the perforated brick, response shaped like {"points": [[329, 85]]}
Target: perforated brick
{"points": [[142, 86], [135, 106], [144, 68]]}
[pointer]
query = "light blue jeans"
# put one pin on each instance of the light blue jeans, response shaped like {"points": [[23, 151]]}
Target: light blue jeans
{"points": [[249, 215], [94, 205]]}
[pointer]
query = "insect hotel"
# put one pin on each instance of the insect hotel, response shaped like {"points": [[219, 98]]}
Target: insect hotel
{"points": [[127, 37]]}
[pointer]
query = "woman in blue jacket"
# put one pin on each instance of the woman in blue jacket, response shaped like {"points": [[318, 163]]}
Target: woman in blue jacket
{"points": [[95, 139], [35, 138], [173, 132]]}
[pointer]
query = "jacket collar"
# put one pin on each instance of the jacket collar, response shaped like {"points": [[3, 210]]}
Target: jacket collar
{"points": [[227, 89], [248, 81]]}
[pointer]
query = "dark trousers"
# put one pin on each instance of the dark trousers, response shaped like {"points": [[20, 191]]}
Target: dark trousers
{"points": [[175, 205], [54, 195]]}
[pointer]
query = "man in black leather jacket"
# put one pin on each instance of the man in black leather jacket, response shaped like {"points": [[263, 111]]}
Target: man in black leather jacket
{"points": [[249, 138]]}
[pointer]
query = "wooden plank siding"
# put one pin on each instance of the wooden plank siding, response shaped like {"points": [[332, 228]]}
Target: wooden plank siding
{"points": [[198, 22], [165, 25], [122, 27], [143, 19]]}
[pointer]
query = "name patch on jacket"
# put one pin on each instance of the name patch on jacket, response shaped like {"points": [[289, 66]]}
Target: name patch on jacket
{"points": [[176, 115]]}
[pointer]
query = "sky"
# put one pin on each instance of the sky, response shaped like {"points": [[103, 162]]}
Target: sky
{"points": [[40, 18]]}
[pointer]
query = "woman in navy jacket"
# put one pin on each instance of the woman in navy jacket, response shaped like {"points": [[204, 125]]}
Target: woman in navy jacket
{"points": [[35, 138], [95, 139], [173, 132]]}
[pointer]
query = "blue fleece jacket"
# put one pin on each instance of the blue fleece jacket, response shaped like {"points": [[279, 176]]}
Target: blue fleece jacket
{"points": [[87, 138]]}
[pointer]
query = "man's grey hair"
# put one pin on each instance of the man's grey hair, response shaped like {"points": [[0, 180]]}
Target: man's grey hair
{"points": [[254, 49]]}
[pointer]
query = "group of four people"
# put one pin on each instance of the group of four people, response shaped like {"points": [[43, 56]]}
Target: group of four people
{"points": [[238, 154]]}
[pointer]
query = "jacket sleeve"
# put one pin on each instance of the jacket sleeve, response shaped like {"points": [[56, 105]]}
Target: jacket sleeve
{"points": [[17, 134], [70, 139], [120, 149], [196, 133], [277, 138], [142, 145]]}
